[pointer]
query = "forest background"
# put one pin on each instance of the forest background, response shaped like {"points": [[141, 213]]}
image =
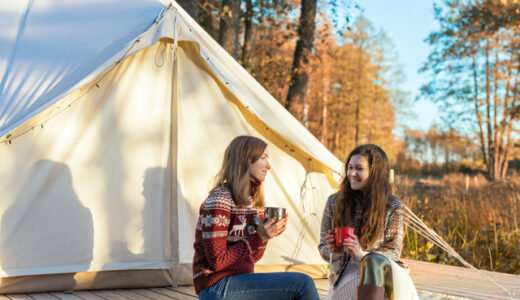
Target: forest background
{"points": [[341, 79]]}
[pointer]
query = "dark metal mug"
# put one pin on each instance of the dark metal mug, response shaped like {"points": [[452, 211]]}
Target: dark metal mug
{"points": [[276, 213]]}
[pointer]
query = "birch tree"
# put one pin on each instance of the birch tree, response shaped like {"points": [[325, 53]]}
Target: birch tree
{"points": [[474, 70]]}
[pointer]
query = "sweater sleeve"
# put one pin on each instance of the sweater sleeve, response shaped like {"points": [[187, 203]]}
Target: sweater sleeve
{"points": [[259, 252], [215, 216], [393, 234], [325, 227]]}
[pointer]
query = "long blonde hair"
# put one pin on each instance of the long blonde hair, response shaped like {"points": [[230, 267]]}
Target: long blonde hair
{"points": [[373, 202], [235, 171]]}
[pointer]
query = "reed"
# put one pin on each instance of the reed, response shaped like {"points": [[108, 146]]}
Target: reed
{"points": [[479, 220]]}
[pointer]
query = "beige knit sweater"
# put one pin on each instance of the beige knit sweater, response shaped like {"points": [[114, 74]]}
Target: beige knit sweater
{"points": [[388, 244]]}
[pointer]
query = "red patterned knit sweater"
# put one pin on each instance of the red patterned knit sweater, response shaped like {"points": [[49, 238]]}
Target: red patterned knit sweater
{"points": [[226, 242]]}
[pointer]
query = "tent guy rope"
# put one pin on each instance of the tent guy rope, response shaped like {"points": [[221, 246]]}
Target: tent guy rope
{"points": [[418, 226]]}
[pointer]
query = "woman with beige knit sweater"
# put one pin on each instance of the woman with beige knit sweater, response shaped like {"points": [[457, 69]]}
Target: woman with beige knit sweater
{"points": [[366, 264]]}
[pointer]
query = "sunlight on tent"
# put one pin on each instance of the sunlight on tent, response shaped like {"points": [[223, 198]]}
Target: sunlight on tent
{"points": [[7, 162], [3, 65], [121, 142]]}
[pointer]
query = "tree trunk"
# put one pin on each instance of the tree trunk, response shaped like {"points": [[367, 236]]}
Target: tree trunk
{"points": [[478, 114], [299, 76], [306, 105], [446, 157], [505, 125], [247, 33], [490, 145], [206, 18], [190, 6], [358, 98], [336, 140], [229, 25], [505, 159], [323, 138], [496, 166]]}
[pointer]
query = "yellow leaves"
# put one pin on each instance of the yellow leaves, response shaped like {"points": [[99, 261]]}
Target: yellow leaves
{"points": [[429, 245], [226, 9], [225, 13]]}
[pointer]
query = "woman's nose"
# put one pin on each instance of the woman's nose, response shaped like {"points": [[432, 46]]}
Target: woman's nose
{"points": [[268, 166]]}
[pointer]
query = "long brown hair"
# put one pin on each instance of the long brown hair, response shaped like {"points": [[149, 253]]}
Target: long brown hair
{"points": [[235, 172], [373, 203]]}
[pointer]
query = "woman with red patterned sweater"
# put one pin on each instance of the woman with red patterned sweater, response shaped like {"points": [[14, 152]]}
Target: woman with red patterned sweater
{"points": [[230, 237]]}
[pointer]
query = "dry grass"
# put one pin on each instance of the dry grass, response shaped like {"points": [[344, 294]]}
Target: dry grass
{"points": [[480, 223]]}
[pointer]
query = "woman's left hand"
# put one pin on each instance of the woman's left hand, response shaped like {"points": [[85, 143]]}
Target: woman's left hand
{"points": [[352, 245], [269, 229], [283, 223]]}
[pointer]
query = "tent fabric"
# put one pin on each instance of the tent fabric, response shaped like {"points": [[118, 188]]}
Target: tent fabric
{"points": [[86, 281], [215, 123], [254, 97], [89, 190], [48, 48], [21, 98], [109, 146]]}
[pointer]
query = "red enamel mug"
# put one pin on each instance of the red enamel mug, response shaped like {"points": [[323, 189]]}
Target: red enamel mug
{"points": [[342, 233]]}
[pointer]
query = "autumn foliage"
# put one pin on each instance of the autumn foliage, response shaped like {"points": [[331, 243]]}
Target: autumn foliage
{"points": [[347, 87]]}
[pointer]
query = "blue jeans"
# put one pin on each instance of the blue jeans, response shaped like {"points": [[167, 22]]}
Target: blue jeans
{"points": [[262, 286]]}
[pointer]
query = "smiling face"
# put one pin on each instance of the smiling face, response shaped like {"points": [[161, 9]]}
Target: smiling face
{"points": [[259, 168], [358, 172]]}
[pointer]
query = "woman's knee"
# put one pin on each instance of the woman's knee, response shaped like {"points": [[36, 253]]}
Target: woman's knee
{"points": [[307, 288], [375, 270], [303, 277], [374, 260]]}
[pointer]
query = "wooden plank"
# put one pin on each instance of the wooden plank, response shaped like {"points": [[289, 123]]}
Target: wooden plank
{"points": [[185, 289], [87, 295], [66, 296], [106, 294], [151, 294], [433, 281], [463, 282], [130, 294], [20, 297], [425, 295], [42, 296], [322, 286], [173, 294]]}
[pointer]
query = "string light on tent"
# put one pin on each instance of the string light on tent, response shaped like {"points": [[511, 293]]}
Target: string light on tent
{"points": [[10, 137]]}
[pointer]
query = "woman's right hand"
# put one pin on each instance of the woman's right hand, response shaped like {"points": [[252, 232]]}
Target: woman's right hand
{"points": [[269, 229], [334, 249]]}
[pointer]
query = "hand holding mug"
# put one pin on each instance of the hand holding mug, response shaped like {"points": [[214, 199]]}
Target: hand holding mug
{"points": [[269, 228], [352, 245], [334, 248], [280, 225]]}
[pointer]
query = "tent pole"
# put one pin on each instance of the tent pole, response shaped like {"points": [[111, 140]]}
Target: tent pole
{"points": [[174, 226]]}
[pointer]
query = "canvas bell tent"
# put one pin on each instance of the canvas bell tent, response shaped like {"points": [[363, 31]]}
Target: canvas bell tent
{"points": [[114, 117]]}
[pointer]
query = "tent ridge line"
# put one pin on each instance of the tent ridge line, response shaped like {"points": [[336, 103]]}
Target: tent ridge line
{"points": [[230, 86]]}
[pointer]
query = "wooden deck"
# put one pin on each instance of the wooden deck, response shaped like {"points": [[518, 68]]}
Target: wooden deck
{"points": [[462, 282], [433, 282]]}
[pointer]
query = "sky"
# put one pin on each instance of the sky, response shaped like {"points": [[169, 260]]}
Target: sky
{"points": [[407, 23]]}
